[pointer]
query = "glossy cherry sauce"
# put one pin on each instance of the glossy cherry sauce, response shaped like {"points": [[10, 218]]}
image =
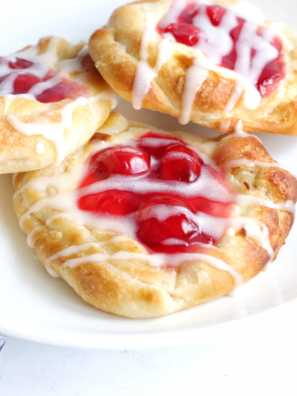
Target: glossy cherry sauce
{"points": [[185, 32], [177, 162], [24, 81]]}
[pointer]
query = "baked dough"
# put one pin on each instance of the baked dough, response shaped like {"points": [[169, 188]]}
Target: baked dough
{"points": [[34, 135], [112, 271], [160, 74]]}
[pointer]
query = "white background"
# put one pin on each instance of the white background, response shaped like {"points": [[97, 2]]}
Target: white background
{"points": [[258, 357]]}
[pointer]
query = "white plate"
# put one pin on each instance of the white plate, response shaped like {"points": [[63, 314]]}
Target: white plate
{"points": [[37, 307]]}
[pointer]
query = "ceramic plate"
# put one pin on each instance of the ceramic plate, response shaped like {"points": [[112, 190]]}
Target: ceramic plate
{"points": [[37, 307]]}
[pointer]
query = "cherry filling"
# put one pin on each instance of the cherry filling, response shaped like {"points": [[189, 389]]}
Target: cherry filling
{"points": [[167, 225], [121, 160], [180, 163], [164, 219], [24, 81], [20, 64], [234, 43]]}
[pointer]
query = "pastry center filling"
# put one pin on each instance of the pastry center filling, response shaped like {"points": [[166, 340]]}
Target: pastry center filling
{"points": [[252, 51], [164, 189], [22, 77]]}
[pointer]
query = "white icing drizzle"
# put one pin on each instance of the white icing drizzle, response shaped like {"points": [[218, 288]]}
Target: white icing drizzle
{"points": [[176, 8], [68, 66], [7, 100], [52, 272], [218, 42], [145, 74], [248, 200], [205, 186], [40, 149], [31, 235], [234, 98], [255, 230], [238, 132], [195, 77], [53, 131], [6, 86], [265, 52], [158, 260], [74, 249]]}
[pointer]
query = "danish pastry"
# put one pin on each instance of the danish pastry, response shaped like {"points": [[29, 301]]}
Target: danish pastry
{"points": [[52, 100], [145, 223], [214, 64]]}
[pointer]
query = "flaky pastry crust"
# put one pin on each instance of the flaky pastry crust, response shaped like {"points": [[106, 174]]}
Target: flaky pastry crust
{"points": [[115, 50], [18, 151], [133, 288]]}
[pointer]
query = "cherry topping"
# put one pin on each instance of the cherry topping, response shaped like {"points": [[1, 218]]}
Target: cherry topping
{"points": [[180, 163], [65, 89], [184, 33], [189, 13], [187, 31], [215, 14], [24, 82], [151, 143], [164, 221], [20, 64], [119, 203], [120, 160], [176, 231]]}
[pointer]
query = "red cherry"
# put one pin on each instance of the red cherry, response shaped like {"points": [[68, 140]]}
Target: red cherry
{"points": [[184, 33], [180, 163], [66, 89], [150, 142], [120, 160], [20, 64], [215, 14], [114, 202], [24, 82], [180, 229], [271, 72], [189, 13], [54, 94]]}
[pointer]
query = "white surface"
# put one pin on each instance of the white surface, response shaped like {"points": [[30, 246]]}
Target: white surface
{"points": [[37, 307], [234, 366]]}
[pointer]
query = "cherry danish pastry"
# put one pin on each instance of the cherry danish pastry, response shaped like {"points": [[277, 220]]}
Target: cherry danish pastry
{"points": [[52, 100], [147, 222], [214, 63]]}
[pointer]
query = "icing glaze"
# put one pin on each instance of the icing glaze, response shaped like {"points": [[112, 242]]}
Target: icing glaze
{"points": [[145, 74], [51, 130], [195, 77], [39, 148]]}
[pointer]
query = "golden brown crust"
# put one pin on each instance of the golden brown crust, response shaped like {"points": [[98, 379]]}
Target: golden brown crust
{"points": [[132, 288], [115, 50], [18, 151]]}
